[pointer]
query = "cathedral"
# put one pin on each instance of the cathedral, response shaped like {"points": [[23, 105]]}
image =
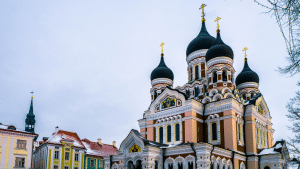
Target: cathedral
{"points": [[217, 120]]}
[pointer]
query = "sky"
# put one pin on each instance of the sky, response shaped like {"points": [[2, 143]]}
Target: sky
{"points": [[89, 62]]}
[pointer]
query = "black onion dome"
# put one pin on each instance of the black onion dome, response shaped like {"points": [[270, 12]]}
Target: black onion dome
{"points": [[219, 49], [162, 71], [203, 41], [247, 75]]}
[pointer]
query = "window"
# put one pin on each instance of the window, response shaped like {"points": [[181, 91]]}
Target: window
{"points": [[215, 77], [66, 167], [191, 74], [224, 75], [197, 72], [239, 131], [187, 93], [177, 132], [92, 163], [21, 144], [190, 165], [75, 167], [170, 166], [196, 91], [100, 163], [67, 156], [267, 167], [56, 154], [56, 167], [20, 162], [214, 131], [156, 164], [180, 165], [155, 94], [161, 135], [169, 133], [76, 157]]}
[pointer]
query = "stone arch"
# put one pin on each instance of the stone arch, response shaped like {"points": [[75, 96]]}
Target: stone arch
{"points": [[217, 97], [136, 158], [188, 159], [178, 160], [130, 164], [229, 164], [115, 166], [242, 165], [226, 90], [228, 95], [169, 160], [213, 92], [206, 100]]}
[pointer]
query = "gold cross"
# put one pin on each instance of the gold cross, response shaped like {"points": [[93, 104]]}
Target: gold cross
{"points": [[162, 47], [245, 49], [217, 20], [202, 7]]}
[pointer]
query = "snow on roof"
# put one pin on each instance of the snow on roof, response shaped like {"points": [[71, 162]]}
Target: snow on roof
{"points": [[100, 150], [274, 150], [13, 128], [66, 136]]}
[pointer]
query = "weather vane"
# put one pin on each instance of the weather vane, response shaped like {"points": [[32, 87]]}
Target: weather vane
{"points": [[245, 49], [162, 47], [202, 7], [217, 20], [31, 94]]}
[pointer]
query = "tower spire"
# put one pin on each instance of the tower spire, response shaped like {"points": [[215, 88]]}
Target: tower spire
{"points": [[30, 118]]}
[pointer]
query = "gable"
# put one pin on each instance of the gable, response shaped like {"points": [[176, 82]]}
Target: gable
{"points": [[131, 140], [168, 99]]}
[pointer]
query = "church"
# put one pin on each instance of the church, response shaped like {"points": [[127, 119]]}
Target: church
{"points": [[217, 120]]}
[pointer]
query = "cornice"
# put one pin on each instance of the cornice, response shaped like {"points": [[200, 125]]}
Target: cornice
{"points": [[161, 81], [219, 60], [198, 53], [247, 85]]}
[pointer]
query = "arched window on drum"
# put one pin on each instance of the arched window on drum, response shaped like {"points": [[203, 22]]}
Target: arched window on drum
{"points": [[215, 77], [177, 133], [224, 75]]}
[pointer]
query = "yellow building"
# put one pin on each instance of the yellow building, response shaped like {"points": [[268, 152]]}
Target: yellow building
{"points": [[63, 150], [15, 147]]}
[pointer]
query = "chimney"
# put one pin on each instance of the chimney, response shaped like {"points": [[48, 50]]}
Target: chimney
{"points": [[56, 129], [114, 143], [99, 141]]}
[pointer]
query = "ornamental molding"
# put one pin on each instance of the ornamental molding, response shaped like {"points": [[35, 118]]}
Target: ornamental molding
{"points": [[198, 53], [219, 60], [247, 85], [161, 81], [224, 107], [222, 152], [16, 133]]}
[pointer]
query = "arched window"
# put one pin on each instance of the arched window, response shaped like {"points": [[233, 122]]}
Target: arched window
{"points": [[155, 94], [138, 164], [196, 72], [239, 131], [267, 167], [177, 132], [215, 77], [190, 165], [252, 94], [214, 131], [212, 165], [161, 135], [169, 133], [187, 93], [224, 75], [156, 164], [191, 74], [170, 166], [244, 96], [179, 165], [196, 91], [130, 165]]}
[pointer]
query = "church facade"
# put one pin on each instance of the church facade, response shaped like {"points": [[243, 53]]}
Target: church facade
{"points": [[217, 120]]}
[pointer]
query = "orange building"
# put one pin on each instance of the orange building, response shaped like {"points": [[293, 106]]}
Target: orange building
{"points": [[213, 121]]}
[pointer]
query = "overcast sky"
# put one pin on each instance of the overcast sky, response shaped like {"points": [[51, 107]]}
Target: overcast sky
{"points": [[89, 62]]}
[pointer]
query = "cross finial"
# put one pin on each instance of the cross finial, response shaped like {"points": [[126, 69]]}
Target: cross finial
{"points": [[202, 7], [162, 47], [245, 49], [217, 20], [31, 94]]}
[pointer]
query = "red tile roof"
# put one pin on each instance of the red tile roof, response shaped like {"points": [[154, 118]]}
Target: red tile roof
{"points": [[100, 150], [66, 136]]}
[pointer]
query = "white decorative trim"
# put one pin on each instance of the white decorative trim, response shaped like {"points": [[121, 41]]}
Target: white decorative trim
{"points": [[161, 81], [247, 84], [196, 54], [219, 60]]}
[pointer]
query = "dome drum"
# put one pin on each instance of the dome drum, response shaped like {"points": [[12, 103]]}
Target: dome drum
{"points": [[248, 85], [161, 81], [219, 60], [196, 54]]}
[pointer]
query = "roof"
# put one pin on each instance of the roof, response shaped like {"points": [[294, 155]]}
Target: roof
{"points": [[148, 142], [162, 71], [14, 129], [276, 149], [65, 136], [203, 41], [246, 75], [100, 150], [219, 49]]}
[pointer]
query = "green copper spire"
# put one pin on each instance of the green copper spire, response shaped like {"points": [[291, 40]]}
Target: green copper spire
{"points": [[30, 118]]}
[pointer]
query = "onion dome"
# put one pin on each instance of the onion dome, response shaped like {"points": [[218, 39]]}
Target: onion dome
{"points": [[219, 49], [203, 41], [247, 75], [162, 71]]}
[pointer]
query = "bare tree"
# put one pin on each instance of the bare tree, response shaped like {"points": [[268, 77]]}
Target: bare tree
{"points": [[287, 13]]}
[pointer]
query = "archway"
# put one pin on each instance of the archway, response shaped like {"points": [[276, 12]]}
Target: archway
{"points": [[138, 164], [267, 167], [130, 165]]}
